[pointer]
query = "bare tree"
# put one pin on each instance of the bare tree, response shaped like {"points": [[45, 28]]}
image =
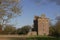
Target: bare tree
{"points": [[9, 9]]}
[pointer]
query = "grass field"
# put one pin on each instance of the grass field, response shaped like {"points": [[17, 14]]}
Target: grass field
{"points": [[36, 38], [28, 38]]}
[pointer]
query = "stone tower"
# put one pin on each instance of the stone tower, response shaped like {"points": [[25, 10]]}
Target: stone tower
{"points": [[41, 25]]}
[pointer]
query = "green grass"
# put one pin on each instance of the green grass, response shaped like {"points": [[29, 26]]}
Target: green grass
{"points": [[42, 38], [36, 38]]}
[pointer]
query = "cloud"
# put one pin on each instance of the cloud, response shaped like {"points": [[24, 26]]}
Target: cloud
{"points": [[56, 1], [44, 1], [58, 18]]}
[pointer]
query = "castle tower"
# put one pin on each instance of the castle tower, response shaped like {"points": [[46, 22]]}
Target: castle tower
{"points": [[41, 25]]}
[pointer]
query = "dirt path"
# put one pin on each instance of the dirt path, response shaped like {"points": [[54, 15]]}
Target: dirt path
{"points": [[1, 38], [8, 37]]}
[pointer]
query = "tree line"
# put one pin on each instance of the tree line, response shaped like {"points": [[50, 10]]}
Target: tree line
{"points": [[54, 30], [10, 29]]}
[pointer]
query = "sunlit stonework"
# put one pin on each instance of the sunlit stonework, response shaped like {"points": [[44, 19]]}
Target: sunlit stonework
{"points": [[41, 25]]}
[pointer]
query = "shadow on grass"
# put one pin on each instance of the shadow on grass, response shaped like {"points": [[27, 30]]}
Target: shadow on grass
{"points": [[36, 38]]}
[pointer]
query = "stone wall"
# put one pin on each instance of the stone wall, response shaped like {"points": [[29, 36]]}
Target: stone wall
{"points": [[32, 33], [41, 25]]}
